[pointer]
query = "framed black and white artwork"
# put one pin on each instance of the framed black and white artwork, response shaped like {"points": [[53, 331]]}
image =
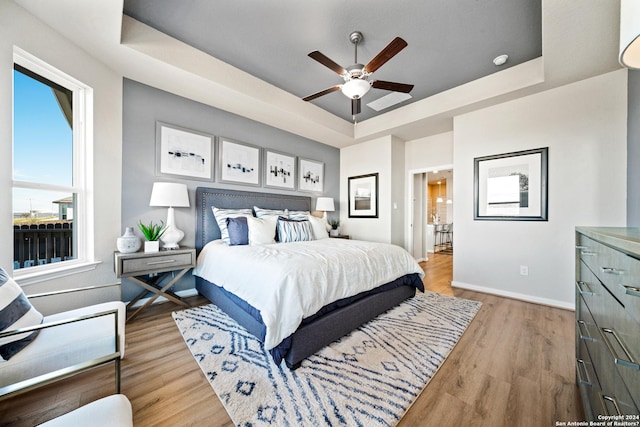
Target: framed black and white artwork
{"points": [[184, 153], [279, 170], [310, 175], [239, 162], [363, 196], [512, 186]]}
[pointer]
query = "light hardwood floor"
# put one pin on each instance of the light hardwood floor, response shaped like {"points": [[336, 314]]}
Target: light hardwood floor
{"points": [[514, 366]]}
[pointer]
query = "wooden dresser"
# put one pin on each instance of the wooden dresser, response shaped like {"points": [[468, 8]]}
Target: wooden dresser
{"points": [[608, 321]]}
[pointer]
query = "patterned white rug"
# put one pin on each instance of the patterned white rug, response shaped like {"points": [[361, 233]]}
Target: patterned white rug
{"points": [[368, 378]]}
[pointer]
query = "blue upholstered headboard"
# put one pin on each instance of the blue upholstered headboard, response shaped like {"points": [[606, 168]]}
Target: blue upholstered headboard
{"points": [[207, 228]]}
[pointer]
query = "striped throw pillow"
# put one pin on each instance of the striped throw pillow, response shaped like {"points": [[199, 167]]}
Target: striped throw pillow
{"points": [[15, 312], [298, 215], [263, 213], [294, 231]]}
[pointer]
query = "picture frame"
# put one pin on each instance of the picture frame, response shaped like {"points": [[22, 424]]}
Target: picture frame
{"points": [[239, 163], [184, 153], [363, 196], [310, 175], [512, 186], [279, 170]]}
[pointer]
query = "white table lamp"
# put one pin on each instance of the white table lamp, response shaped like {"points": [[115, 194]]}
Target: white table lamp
{"points": [[630, 34], [325, 204], [172, 195]]}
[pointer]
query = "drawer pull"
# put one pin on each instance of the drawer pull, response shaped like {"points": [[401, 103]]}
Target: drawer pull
{"points": [[606, 399], [588, 253], [582, 247], [611, 270], [631, 290], [627, 360], [583, 379], [584, 336], [580, 284], [167, 261]]}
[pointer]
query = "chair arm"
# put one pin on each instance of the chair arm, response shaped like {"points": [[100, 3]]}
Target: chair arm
{"points": [[63, 322], [67, 291]]}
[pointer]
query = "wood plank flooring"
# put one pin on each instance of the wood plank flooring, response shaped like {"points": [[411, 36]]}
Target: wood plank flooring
{"points": [[514, 366]]}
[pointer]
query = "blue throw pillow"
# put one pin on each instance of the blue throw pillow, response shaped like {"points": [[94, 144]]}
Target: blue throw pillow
{"points": [[238, 231]]}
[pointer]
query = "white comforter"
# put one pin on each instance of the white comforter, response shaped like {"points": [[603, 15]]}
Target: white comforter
{"points": [[288, 282]]}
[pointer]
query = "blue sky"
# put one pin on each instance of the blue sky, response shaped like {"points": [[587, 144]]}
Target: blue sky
{"points": [[42, 144]]}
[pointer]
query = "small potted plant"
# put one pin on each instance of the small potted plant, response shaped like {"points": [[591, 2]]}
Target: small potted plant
{"points": [[152, 233], [335, 227]]}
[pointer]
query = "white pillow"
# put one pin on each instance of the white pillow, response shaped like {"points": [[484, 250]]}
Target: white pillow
{"points": [[262, 231], [221, 216], [319, 227], [15, 312]]}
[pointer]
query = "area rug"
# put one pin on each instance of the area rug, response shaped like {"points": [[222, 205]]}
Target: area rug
{"points": [[367, 378]]}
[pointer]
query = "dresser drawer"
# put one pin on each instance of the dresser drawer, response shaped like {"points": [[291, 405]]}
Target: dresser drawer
{"points": [[616, 388], [592, 253], [588, 383], [156, 264], [589, 288], [620, 273]]}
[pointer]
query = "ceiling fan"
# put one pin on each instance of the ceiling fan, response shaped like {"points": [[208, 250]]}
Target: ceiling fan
{"points": [[356, 77]]}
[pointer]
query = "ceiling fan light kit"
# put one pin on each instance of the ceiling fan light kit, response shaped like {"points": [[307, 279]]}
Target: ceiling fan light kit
{"points": [[356, 77], [356, 88]]}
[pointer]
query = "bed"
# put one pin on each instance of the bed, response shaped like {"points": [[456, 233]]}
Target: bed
{"points": [[316, 329]]}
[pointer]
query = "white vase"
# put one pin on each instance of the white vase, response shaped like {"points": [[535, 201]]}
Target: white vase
{"points": [[128, 242], [334, 232], [151, 246]]}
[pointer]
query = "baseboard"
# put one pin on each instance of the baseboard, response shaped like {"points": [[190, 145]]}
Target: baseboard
{"points": [[514, 295], [182, 294]]}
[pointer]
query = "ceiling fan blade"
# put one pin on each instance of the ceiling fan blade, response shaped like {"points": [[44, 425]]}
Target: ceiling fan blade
{"points": [[386, 54], [321, 93], [355, 106], [321, 58], [396, 87]]}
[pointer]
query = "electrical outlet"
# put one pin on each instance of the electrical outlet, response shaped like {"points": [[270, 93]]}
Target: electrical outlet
{"points": [[524, 270]]}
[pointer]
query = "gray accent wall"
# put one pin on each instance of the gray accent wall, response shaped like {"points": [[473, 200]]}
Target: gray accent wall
{"points": [[144, 105], [633, 150]]}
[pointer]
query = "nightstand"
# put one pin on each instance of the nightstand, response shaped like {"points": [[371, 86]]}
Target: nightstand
{"points": [[340, 236], [149, 269]]}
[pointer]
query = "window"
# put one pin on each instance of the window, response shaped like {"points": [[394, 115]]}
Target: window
{"points": [[51, 215]]}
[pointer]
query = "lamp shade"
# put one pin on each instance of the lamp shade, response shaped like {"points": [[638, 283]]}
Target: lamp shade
{"points": [[630, 34], [325, 204], [169, 194]]}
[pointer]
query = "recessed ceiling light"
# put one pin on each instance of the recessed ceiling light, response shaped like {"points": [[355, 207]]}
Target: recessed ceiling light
{"points": [[500, 60]]}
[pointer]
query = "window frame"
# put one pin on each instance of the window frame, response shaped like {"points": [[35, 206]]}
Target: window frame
{"points": [[82, 176]]}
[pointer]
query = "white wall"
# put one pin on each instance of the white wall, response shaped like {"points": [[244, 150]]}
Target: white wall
{"points": [[397, 191], [429, 152], [584, 126], [362, 159], [19, 28]]}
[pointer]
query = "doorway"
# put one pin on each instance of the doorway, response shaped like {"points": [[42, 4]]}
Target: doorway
{"points": [[430, 219]]}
